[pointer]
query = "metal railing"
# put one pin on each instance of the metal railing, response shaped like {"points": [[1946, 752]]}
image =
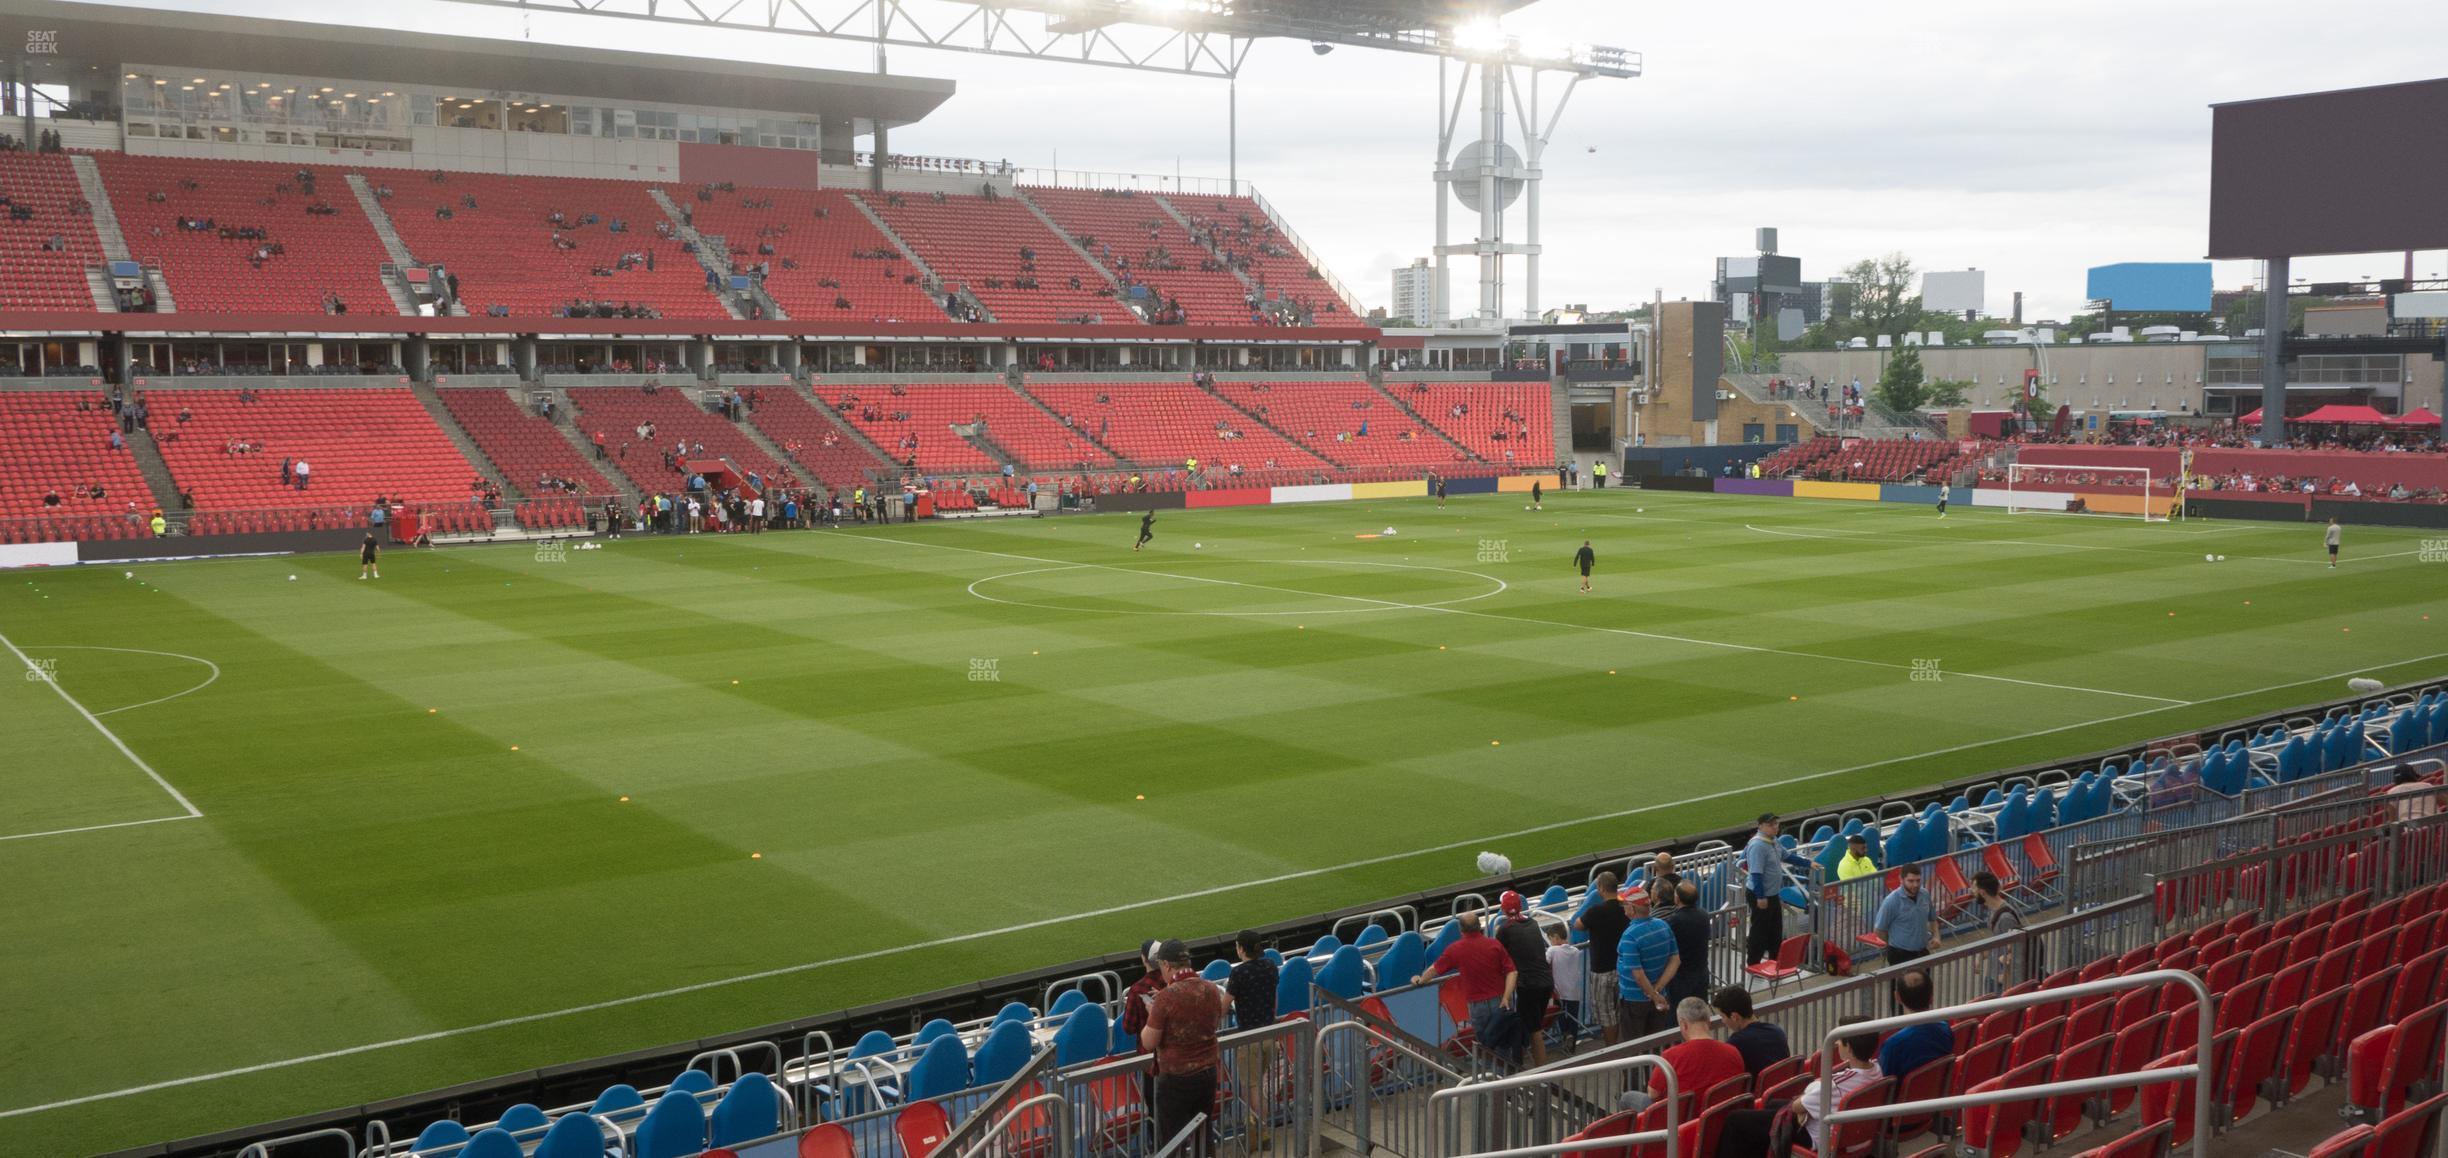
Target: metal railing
{"points": [[2122, 866], [1539, 1111], [2382, 858], [1039, 1138], [2199, 1071], [1373, 1083]]}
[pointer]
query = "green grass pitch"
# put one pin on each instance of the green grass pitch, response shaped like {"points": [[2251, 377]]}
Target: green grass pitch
{"points": [[497, 811]]}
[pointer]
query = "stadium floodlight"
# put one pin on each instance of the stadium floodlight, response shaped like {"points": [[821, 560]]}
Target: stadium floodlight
{"points": [[1481, 37]]}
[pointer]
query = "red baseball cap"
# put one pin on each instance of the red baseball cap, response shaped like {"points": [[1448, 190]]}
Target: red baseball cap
{"points": [[1510, 902]]}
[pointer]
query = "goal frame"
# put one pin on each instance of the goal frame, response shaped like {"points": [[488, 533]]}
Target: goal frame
{"points": [[2016, 488]]}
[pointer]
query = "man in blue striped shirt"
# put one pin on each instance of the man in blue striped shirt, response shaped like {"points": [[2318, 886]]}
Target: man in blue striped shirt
{"points": [[1645, 964], [1907, 920]]}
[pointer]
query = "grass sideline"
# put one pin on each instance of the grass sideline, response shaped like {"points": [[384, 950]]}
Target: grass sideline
{"points": [[866, 763]]}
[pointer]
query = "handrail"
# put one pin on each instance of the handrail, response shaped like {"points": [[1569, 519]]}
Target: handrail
{"points": [[264, 1148], [1671, 1135], [1182, 1137], [2204, 1025], [1062, 1124], [1030, 1072]]}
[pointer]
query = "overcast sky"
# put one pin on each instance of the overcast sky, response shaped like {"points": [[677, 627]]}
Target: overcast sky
{"points": [[2031, 143]]}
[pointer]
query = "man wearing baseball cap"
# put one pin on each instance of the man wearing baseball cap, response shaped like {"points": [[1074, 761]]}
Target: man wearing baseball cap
{"points": [[1534, 982], [1181, 1032]]}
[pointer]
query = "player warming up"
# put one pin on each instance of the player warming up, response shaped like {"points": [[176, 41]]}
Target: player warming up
{"points": [[1537, 497], [1943, 492], [1440, 492], [1585, 559], [1147, 530], [367, 553], [2330, 538]]}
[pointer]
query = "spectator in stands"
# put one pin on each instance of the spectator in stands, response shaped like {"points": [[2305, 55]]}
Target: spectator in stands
{"points": [[1763, 863], [1681, 900], [1482, 968], [1603, 920], [1761, 1044], [2417, 802], [1856, 862], [1699, 1061], [1181, 1032], [2001, 917], [1907, 919], [1645, 964], [1534, 983], [1914, 1046], [1137, 999], [302, 471]]}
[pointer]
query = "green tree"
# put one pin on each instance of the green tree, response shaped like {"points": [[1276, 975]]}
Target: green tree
{"points": [[1900, 387], [1948, 392], [1883, 297]]}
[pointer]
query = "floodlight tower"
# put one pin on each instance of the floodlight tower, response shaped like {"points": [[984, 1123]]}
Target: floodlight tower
{"points": [[1488, 175]]}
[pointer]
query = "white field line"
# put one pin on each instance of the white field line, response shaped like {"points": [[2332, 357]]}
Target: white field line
{"points": [[1394, 605], [208, 680], [99, 827], [1131, 906], [184, 803]]}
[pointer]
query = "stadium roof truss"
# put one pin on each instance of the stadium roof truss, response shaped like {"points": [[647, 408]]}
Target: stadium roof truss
{"points": [[1209, 38]]}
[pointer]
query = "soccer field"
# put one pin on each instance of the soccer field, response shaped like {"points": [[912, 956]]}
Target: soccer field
{"points": [[283, 846]]}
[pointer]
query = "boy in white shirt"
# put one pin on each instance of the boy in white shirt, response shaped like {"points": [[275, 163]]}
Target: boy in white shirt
{"points": [[1564, 962]]}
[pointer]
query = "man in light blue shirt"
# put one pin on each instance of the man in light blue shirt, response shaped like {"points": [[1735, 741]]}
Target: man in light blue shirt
{"points": [[1907, 920], [1645, 964], [1763, 879]]}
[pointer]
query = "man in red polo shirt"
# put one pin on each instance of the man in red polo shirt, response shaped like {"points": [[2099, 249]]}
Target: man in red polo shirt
{"points": [[1699, 1061], [1482, 968]]}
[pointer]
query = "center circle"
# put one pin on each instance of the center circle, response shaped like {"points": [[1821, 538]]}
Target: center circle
{"points": [[1125, 584]]}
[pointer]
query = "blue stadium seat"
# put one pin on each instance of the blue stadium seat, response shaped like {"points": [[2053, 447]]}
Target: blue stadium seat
{"points": [[620, 1103], [1122, 1042], [524, 1120], [1014, 1011], [1275, 955], [1006, 1049], [1325, 946], [1555, 895], [1993, 796], [1064, 1003], [1445, 937], [1343, 975], [699, 1081], [752, 1110], [2011, 815], [1217, 970], [442, 1135], [574, 1136], [1936, 837], [1903, 843], [2040, 814], [931, 1030], [1082, 1037], [495, 1143], [675, 1128], [1292, 987], [1370, 935], [942, 1070], [1403, 960]]}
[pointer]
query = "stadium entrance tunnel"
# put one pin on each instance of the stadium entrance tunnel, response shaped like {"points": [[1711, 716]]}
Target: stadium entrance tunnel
{"points": [[1239, 587]]}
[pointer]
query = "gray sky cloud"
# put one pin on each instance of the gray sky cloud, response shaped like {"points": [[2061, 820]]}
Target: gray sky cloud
{"points": [[2029, 143]]}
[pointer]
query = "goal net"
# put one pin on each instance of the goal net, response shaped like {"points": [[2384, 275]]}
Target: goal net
{"points": [[2122, 492]]}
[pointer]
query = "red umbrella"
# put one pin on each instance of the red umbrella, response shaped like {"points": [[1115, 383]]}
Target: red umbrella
{"points": [[2252, 419], [2421, 416]]}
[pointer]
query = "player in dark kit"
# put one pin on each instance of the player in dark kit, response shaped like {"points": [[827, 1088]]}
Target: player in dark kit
{"points": [[1440, 492], [1147, 530], [367, 553], [1537, 497], [1585, 559]]}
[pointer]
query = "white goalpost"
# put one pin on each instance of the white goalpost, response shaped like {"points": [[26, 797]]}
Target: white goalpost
{"points": [[2113, 492]]}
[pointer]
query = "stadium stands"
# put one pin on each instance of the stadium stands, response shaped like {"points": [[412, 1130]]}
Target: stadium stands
{"points": [[978, 242], [790, 421], [53, 449], [1012, 423], [44, 254], [1159, 424], [617, 411], [1347, 421], [1239, 230], [227, 454], [527, 449], [270, 241], [1132, 235], [496, 234], [816, 236], [1507, 422]]}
